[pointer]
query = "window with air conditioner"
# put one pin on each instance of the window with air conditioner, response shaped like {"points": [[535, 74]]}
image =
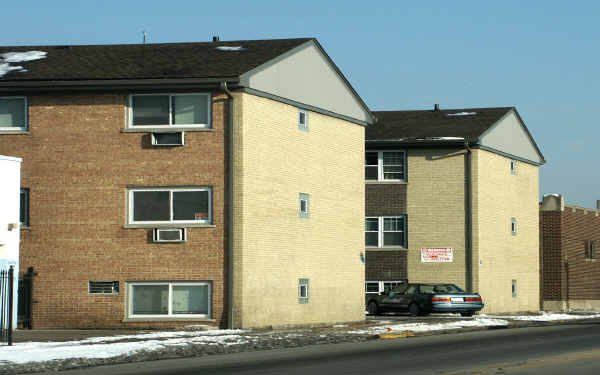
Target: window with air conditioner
{"points": [[170, 110], [166, 206], [103, 287], [168, 139]]}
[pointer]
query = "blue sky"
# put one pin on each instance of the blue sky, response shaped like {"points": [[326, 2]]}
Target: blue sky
{"points": [[542, 57]]}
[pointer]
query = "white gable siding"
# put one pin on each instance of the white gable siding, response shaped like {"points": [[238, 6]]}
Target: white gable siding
{"points": [[305, 75], [509, 136]]}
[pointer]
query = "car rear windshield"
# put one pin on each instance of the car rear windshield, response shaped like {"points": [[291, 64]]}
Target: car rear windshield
{"points": [[440, 288]]}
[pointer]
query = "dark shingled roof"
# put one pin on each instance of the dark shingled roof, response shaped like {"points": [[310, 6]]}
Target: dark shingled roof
{"points": [[396, 125], [147, 61]]}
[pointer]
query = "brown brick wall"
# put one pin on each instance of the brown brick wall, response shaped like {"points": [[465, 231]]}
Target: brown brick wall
{"points": [[567, 274], [385, 199], [78, 163], [579, 225], [386, 265], [550, 255]]}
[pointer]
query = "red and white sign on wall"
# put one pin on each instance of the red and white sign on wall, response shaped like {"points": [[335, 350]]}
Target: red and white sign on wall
{"points": [[437, 254]]}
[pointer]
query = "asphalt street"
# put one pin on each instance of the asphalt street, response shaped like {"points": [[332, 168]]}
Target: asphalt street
{"points": [[572, 349]]}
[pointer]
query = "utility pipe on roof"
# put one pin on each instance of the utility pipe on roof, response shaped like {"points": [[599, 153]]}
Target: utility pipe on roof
{"points": [[230, 229], [468, 219]]}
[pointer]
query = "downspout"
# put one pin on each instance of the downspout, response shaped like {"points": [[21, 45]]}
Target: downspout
{"points": [[230, 230], [468, 220]]}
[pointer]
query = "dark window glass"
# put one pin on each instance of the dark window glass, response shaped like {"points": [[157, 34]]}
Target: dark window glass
{"points": [[393, 165], [150, 299], [151, 206], [372, 287], [190, 109], [24, 207], [190, 205], [190, 299], [150, 110], [12, 113]]}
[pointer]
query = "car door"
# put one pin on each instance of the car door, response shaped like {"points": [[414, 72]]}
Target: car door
{"points": [[392, 300], [407, 297]]}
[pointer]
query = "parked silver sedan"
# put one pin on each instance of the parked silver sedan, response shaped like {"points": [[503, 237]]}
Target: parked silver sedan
{"points": [[423, 299]]}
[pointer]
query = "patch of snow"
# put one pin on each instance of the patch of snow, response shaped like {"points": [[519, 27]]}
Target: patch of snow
{"points": [[422, 327], [15, 57], [339, 325], [545, 317], [104, 347], [230, 48], [12, 57], [447, 138], [461, 114]]}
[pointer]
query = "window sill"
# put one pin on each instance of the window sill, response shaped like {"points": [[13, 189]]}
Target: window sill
{"points": [[386, 248], [169, 319], [20, 131], [166, 130], [386, 182], [168, 225]]}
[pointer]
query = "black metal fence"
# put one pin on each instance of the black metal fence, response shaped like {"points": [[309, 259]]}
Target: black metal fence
{"points": [[7, 278]]}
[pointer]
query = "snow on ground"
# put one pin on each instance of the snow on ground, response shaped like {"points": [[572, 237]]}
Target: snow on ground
{"points": [[544, 317], [106, 347], [423, 327]]}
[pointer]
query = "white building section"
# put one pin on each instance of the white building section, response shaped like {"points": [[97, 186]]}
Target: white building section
{"points": [[10, 188]]}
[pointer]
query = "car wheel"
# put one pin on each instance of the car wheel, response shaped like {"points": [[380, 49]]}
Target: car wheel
{"points": [[372, 309], [467, 313], [414, 309]]}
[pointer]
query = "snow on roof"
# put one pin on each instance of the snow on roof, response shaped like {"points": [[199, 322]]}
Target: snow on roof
{"points": [[461, 114], [15, 57], [230, 48]]}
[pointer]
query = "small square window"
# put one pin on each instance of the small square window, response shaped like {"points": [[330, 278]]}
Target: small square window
{"points": [[303, 291], [513, 167], [302, 120], [303, 205]]}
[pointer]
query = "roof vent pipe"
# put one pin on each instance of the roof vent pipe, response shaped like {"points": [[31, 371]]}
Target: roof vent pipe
{"points": [[216, 38], [436, 107]]}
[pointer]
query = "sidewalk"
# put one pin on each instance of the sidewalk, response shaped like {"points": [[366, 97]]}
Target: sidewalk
{"points": [[53, 350]]}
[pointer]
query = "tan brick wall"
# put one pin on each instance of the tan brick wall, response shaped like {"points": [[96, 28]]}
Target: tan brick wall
{"points": [[78, 163], [436, 212], [275, 161], [502, 257]]}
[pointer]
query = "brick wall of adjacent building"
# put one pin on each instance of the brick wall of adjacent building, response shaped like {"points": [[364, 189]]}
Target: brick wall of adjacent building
{"points": [[385, 265], [568, 276], [385, 199], [78, 163]]}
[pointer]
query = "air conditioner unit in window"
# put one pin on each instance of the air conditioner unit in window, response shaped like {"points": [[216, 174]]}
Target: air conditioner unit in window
{"points": [[168, 139], [169, 235]]}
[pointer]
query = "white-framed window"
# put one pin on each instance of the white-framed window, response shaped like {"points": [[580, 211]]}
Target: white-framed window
{"points": [[303, 292], [385, 165], [303, 120], [376, 287], [170, 205], [103, 287], [13, 113], [385, 231], [303, 205], [513, 167], [170, 110], [159, 299], [514, 288], [513, 226]]}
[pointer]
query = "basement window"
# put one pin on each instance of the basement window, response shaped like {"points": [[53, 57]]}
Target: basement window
{"points": [[169, 299], [103, 287]]}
